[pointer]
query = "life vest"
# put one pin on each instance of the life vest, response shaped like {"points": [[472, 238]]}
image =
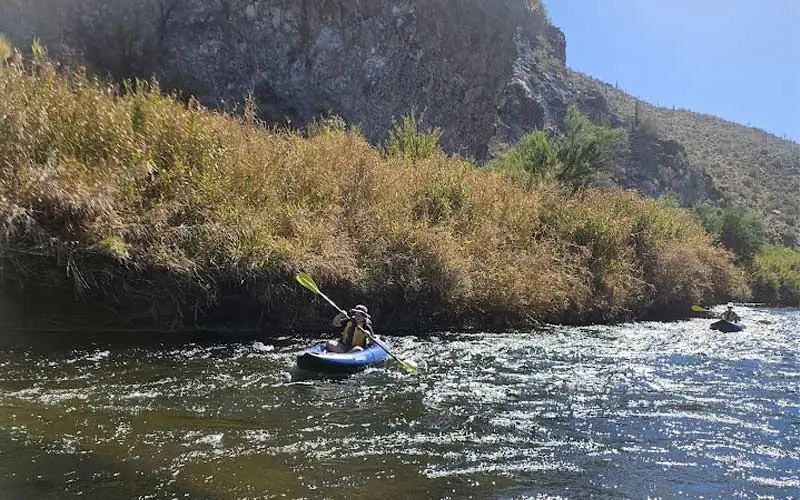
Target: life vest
{"points": [[730, 316], [353, 335]]}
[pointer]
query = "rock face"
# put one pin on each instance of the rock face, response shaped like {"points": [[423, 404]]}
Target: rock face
{"points": [[451, 63], [485, 71], [367, 61], [658, 168]]}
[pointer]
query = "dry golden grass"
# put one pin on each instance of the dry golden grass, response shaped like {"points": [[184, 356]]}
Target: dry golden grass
{"points": [[776, 276], [167, 211]]}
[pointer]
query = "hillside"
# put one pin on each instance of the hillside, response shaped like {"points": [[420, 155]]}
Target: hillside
{"points": [[485, 72], [748, 165], [164, 213]]}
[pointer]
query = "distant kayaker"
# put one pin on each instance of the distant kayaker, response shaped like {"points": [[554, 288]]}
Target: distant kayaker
{"points": [[356, 325], [730, 315]]}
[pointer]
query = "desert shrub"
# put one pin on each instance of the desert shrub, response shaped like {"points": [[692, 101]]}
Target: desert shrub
{"points": [[163, 210], [742, 232], [580, 157], [710, 216], [776, 275], [735, 228], [406, 140]]}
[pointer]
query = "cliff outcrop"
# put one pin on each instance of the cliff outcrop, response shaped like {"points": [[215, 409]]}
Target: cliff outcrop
{"points": [[485, 71]]}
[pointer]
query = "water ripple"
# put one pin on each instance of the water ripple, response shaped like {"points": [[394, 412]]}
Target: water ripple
{"points": [[642, 410]]}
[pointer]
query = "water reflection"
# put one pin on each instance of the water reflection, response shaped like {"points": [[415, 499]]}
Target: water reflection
{"points": [[632, 411]]}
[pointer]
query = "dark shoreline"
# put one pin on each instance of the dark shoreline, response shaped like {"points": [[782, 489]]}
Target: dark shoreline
{"points": [[61, 319]]}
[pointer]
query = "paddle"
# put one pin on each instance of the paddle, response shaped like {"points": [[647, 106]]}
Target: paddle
{"points": [[307, 282], [702, 309]]}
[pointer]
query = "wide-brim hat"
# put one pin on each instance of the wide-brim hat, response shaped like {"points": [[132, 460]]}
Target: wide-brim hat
{"points": [[360, 309]]}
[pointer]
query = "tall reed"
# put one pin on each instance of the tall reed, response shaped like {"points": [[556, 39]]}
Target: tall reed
{"points": [[163, 210]]}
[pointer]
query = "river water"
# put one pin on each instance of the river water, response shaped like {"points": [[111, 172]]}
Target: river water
{"points": [[641, 410]]}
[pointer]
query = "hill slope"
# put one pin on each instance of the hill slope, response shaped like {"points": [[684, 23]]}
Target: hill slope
{"points": [[485, 71], [749, 166]]}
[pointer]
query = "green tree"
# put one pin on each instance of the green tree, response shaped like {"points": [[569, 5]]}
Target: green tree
{"points": [[534, 156], [585, 150], [742, 232], [776, 275], [710, 216], [580, 157], [406, 140]]}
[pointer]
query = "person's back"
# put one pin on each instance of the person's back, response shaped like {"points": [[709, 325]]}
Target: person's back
{"points": [[730, 315]]}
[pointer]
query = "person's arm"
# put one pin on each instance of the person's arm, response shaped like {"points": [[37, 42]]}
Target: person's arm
{"points": [[368, 328], [340, 319]]}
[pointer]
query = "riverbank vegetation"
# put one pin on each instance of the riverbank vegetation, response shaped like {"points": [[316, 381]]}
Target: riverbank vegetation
{"points": [[774, 271], [776, 276], [164, 212]]}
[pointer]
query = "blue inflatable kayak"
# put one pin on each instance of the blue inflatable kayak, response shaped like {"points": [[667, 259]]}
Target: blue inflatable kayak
{"points": [[316, 359], [727, 326]]}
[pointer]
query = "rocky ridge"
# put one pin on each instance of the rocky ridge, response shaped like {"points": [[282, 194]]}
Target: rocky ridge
{"points": [[485, 71]]}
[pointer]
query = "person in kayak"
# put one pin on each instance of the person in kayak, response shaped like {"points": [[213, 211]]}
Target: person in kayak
{"points": [[357, 325], [730, 315]]}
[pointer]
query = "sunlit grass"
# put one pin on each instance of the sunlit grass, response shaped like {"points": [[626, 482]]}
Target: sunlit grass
{"points": [[164, 209], [776, 276]]}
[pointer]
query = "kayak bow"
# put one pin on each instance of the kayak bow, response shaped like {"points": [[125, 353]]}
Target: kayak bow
{"points": [[317, 359], [727, 326]]}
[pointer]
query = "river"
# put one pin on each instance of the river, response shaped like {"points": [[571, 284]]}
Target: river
{"points": [[640, 410]]}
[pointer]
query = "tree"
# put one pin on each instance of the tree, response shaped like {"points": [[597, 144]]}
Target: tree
{"points": [[735, 228], [710, 217], [742, 232], [407, 141], [580, 157]]}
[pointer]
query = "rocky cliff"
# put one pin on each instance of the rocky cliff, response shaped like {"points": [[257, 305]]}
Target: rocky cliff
{"points": [[485, 71], [466, 66]]}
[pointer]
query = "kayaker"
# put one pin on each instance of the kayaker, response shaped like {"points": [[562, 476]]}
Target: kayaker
{"points": [[357, 323], [730, 315]]}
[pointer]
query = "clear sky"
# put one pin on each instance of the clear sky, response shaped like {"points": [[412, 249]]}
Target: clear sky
{"points": [[737, 59]]}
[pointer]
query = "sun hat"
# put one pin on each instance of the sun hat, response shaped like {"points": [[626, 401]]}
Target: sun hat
{"points": [[360, 310]]}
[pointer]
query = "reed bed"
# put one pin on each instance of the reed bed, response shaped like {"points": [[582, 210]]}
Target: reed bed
{"points": [[165, 212]]}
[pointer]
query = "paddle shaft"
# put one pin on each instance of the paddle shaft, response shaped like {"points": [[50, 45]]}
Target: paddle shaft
{"points": [[372, 338], [331, 302]]}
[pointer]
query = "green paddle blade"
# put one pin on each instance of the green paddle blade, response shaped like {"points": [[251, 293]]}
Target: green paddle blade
{"points": [[699, 309], [306, 280], [408, 365]]}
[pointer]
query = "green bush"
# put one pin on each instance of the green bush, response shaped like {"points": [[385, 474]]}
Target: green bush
{"points": [[742, 232], [710, 216], [586, 150], [776, 276], [406, 140], [735, 228], [580, 157]]}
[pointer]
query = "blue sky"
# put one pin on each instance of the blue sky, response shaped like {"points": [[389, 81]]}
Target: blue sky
{"points": [[737, 59]]}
